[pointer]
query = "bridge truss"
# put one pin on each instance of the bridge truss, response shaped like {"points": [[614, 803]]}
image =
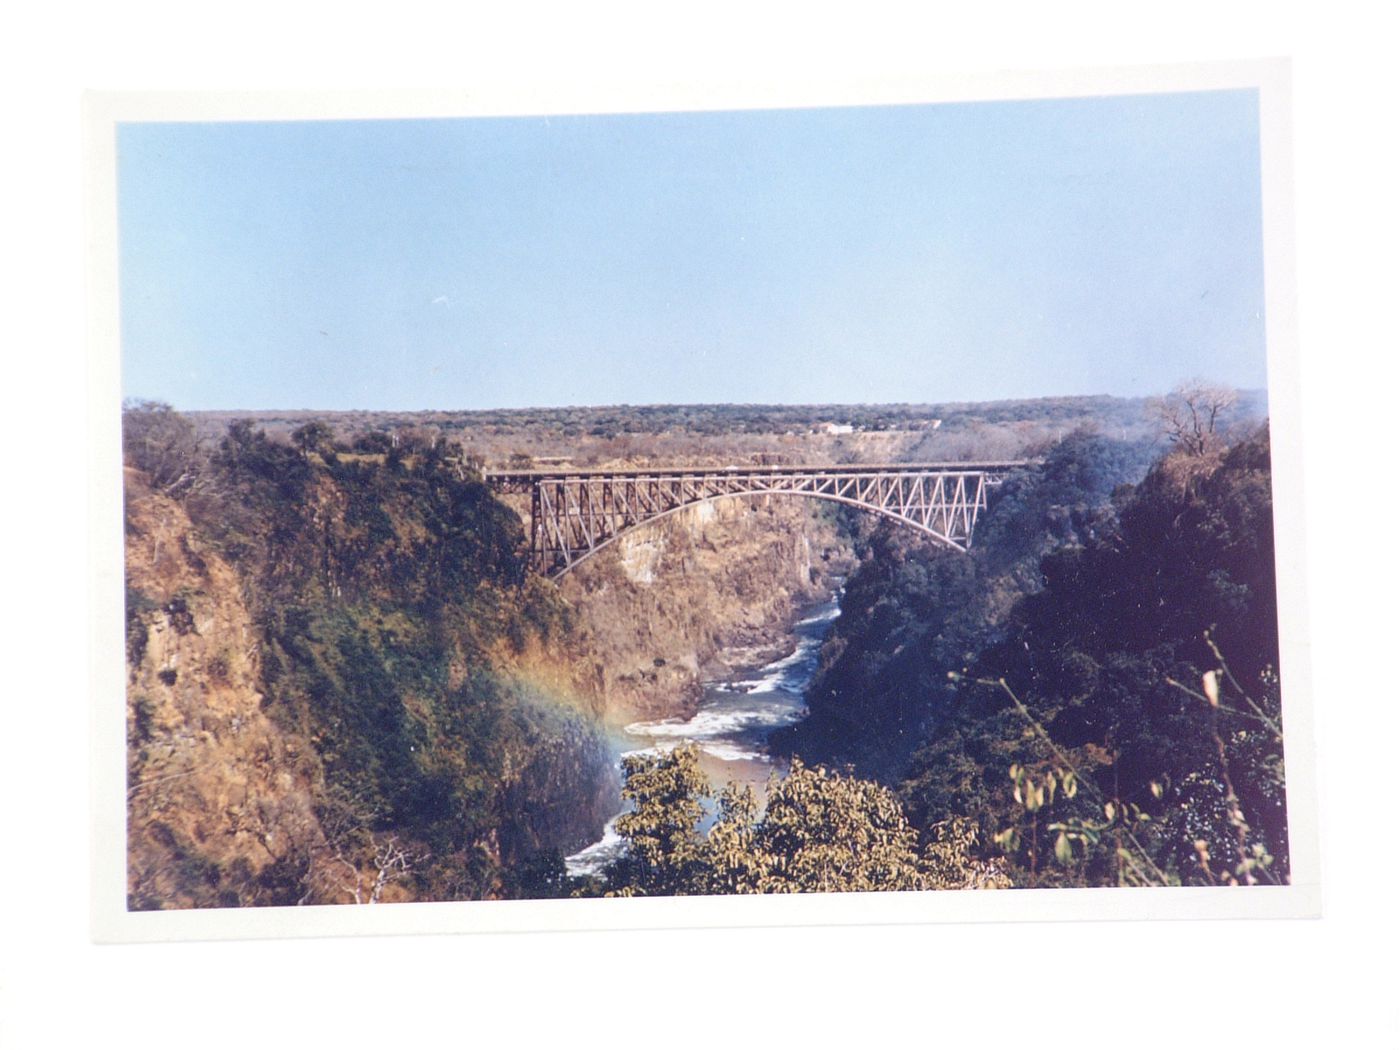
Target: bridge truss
{"points": [[576, 513]]}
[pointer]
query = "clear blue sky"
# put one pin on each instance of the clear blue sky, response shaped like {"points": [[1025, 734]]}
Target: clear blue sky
{"points": [[911, 253]]}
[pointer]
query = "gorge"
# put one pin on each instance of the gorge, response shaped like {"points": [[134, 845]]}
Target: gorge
{"points": [[345, 685]]}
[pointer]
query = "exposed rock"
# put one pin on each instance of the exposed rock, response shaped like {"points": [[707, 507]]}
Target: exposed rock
{"points": [[666, 604], [219, 804], [229, 808]]}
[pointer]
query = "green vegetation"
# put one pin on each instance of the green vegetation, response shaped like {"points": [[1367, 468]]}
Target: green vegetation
{"points": [[389, 595], [819, 832], [1090, 697], [912, 611], [1096, 687], [1149, 665]]}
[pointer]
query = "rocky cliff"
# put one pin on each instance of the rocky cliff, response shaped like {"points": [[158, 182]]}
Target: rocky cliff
{"points": [[674, 601], [344, 687], [219, 799], [289, 742]]}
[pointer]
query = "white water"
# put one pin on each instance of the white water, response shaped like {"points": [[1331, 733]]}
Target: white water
{"points": [[730, 727]]}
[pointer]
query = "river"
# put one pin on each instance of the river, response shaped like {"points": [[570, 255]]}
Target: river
{"points": [[731, 726]]}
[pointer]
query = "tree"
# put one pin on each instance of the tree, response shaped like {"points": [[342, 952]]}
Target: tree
{"points": [[827, 832], [949, 863], [374, 864], [1192, 415], [160, 442], [312, 437], [664, 844], [819, 832]]}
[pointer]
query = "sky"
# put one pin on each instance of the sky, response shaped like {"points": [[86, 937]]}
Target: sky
{"points": [[920, 253]]}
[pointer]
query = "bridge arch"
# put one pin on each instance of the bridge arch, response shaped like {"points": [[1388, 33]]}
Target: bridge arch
{"points": [[575, 514], [663, 515]]}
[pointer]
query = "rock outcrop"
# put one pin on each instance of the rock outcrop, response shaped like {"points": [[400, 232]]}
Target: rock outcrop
{"points": [[662, 607], [237, 754], [219, 799]]}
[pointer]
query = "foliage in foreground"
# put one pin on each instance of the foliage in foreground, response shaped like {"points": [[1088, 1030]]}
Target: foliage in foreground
{"points": [[1132, 705], [819, 832], [1054, 686]]}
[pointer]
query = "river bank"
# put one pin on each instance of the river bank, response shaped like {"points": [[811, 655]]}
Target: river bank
{"points": [[741, 703]]}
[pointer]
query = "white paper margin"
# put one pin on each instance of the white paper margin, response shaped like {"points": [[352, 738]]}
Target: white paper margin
{"points": [[111, 922]]}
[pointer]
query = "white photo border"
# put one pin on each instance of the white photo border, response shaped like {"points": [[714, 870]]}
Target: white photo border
{"points": [[113, 922]]}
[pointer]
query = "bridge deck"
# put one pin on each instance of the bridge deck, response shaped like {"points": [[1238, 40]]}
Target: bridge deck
{"points": [[977, 467]]}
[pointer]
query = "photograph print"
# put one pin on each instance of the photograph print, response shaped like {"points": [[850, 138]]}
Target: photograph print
{"points": [[583, 507]]}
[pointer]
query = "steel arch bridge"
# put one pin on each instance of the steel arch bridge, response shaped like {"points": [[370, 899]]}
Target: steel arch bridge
{"points": [[576, 513]]}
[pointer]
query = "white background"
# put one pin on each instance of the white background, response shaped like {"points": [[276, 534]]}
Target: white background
{"points": [[1142, 984]]}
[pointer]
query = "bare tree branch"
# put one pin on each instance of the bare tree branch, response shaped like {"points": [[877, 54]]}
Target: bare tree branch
{"points": [[1191, 415]]}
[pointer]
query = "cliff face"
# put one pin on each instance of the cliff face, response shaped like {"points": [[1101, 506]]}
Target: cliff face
{"points": [[343, 687], [715, 584], [219, 803]]}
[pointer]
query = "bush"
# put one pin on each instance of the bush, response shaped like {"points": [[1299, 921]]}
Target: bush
{"points": [[161, 443]]}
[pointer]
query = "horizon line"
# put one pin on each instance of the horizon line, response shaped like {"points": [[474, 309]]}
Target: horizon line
{"points": [[686, 404]]}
